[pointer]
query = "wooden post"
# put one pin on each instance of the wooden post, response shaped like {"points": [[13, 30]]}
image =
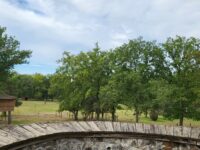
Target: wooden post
{"points": [[9, 117]]}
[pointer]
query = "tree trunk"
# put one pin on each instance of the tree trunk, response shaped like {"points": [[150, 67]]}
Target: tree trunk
{"points": [[146, 112], [102, 115], [181, 115], [98, 114], [92, 116], [137, 117], [136, 114], [113, 114], [97, 100], [75, 115], [181, 119]]}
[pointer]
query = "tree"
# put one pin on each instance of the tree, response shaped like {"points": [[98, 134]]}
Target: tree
{"points": [[68, 84], [22, 85], [84, 75], [10, 54], [160, 91], [144, 75], [41, 85], [99, 72], [183, 60], [110, 97], [137, 62]]}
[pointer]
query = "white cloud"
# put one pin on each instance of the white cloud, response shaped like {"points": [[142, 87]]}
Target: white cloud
{"points": [[49, 27]]}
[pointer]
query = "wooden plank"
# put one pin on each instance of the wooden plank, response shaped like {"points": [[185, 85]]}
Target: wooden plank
{"points": [[23, 132], [131, 127], [19, 133], [7, 135], [161, 129], [195, 133], [38, 128], [12, 135], [100, 125], [58, 127], [177, 131], [147, 129], [93, 125], [108, 126], [85, 126], [169, 130], [124, 127], [139, 128], [69, 127], [186, 132], [6, 138], [32, 130], [116, 126], [47, 127], [78, 126]]}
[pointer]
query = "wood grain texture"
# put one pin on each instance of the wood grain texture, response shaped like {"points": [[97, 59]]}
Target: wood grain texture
{"points": [[12, 134]]}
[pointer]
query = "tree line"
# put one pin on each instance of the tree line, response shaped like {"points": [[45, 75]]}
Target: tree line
{"points": [[26, 86], [150, 78]]}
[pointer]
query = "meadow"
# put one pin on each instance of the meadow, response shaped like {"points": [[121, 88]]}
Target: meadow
{"points": [[38, 111]]}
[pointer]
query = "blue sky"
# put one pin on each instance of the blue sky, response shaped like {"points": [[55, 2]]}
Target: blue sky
{"points": [[49, 27]]}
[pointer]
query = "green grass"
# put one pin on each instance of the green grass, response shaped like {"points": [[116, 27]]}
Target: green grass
{"points": [[38, 111], [35, 107], [127, 115]]}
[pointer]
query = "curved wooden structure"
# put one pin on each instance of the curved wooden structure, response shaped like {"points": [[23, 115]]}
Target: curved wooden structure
{"points": [[16, 137]]}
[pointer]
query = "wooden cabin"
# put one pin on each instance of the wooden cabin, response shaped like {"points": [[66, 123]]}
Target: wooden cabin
{"points": [[7, 104]]}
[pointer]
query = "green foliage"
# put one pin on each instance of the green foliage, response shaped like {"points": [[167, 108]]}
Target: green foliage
{"points": [[29, 86], [10, 54], [41, 85], [23, 85], [183, 61], [80, 79], [144, 75], [18, 103], [138, 62]]}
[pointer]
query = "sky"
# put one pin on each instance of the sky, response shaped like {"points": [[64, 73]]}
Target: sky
{"points": [[50, 27]]}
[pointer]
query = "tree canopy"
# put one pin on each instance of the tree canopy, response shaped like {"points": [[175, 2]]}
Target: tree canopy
{"points": [[10, 55], [144, 75]]}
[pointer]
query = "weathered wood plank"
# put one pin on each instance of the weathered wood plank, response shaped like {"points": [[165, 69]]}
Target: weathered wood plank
{"points": [[79, 127], [116, 126], [17, 133], [32, 130], [93, 125], [108, 126], [69, 127], [47, 127], [7, 136], [124, 127], [195, 133], [101, 126], [85, 126], [38, 128]]}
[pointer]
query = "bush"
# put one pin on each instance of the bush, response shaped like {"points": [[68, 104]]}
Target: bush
{"points": [[153, 115], [18, 102]]}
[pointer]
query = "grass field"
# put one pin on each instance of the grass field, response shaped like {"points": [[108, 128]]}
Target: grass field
{"points": [[38, 111]]}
